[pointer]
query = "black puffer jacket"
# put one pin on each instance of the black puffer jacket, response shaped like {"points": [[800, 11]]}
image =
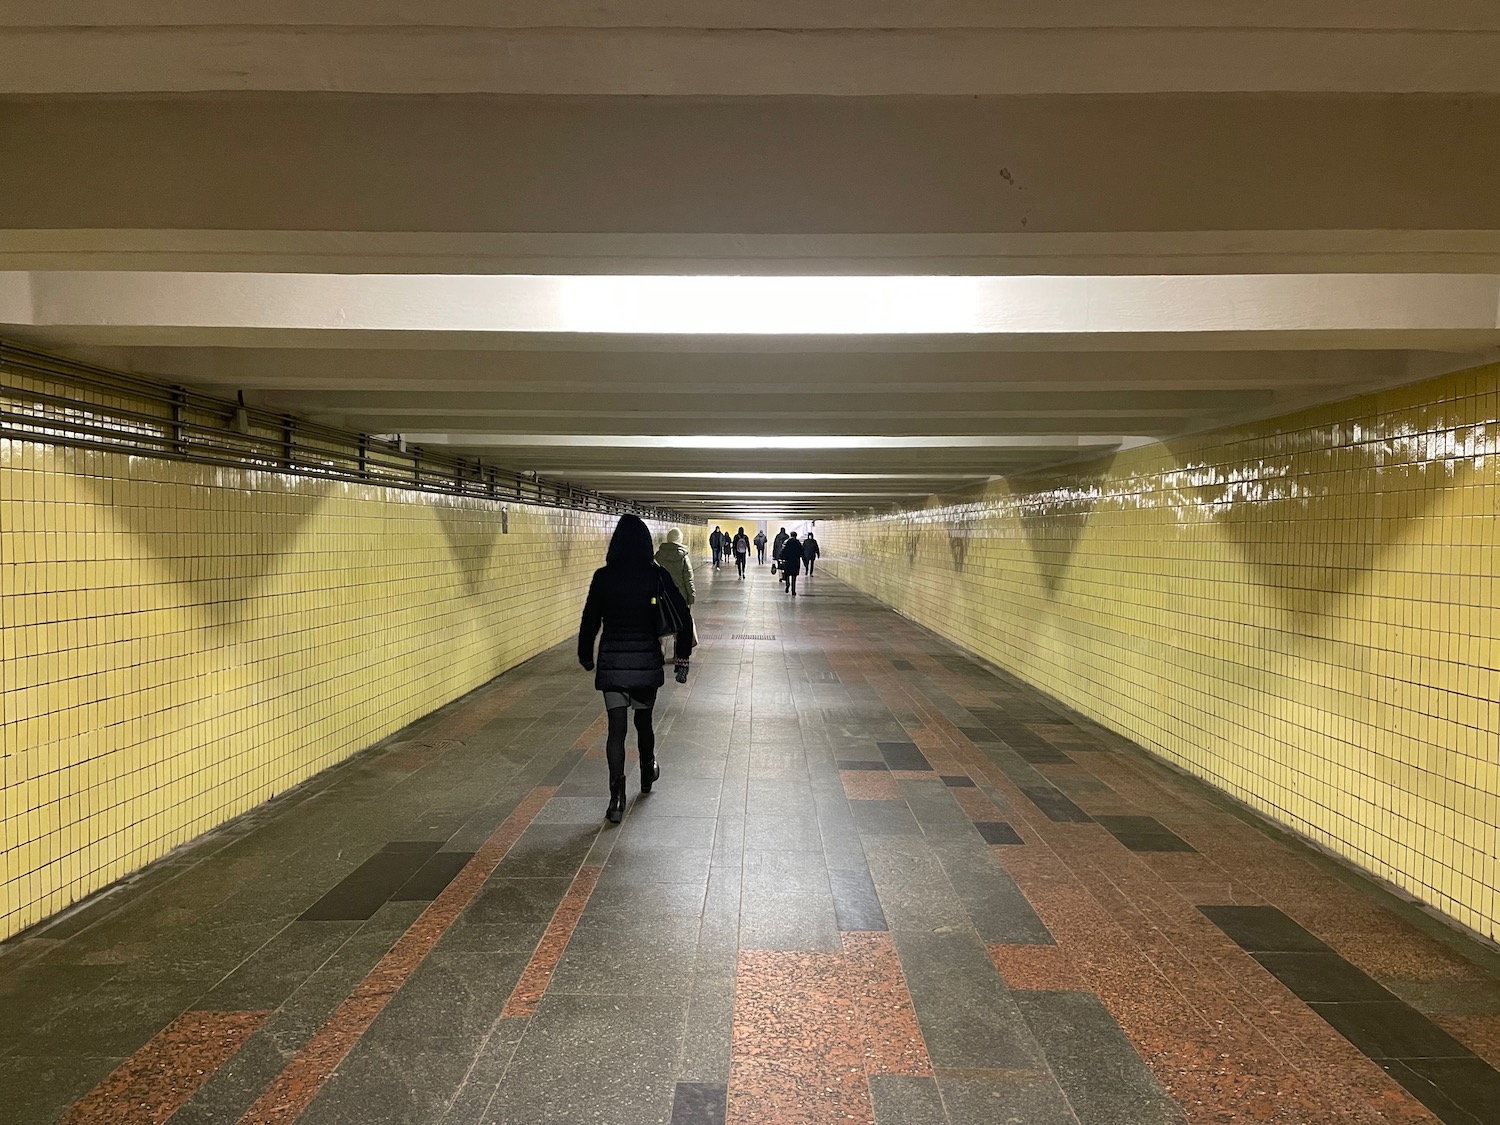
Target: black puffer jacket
{"points": [[791, 556], [629, 652]]}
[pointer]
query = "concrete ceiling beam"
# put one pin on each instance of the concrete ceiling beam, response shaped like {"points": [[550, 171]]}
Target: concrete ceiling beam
{"points": [[784, 167], [760, 49]]}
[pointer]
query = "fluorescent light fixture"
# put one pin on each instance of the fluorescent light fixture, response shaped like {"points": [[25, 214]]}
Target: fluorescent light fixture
{"points": [[783, 441], [1384, 305], [689, 474]]}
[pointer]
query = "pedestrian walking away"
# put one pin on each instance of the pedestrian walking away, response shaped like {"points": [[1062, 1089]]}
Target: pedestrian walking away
{"points": [[776, 546], [790, 561], [674, 558], [625, 600], [740, 545], [760, 548], [717, 541], [810, 552]]}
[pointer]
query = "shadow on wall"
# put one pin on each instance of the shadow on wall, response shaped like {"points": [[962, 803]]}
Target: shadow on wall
{"points": [[1053, 512], [473, 537], [1302, 516], [225, 558]]}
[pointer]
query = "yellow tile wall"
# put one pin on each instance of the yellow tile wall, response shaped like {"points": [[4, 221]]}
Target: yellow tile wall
{"points": [[1303, 612], [179, 642]]}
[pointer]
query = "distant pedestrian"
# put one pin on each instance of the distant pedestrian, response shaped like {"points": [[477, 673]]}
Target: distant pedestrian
{"points": [[673, 557], [740, 545], [790, 561], [760, 548], [624, 600], [810, 552], [717, 540]]}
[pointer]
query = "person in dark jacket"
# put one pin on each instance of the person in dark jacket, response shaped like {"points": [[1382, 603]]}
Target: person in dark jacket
{"points": [[778, 544], [791, 562], [623, 600], [740, 545], [717, 540], [810, 552], [760, 548]]}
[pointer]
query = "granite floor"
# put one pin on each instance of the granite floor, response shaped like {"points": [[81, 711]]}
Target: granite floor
{"points": [[877, 883]]}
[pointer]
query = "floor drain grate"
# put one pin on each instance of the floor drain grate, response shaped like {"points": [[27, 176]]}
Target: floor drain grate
{"points": [[752, 636]]}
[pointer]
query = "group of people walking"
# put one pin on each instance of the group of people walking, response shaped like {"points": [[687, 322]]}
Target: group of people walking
{"points": [[789, 554], [642, 602]]}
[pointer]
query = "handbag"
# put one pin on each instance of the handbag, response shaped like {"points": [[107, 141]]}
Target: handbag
{"points": [[668, 620]]}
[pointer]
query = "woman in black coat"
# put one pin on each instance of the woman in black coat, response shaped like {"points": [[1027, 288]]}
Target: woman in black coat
{"points": [[622, 598]]}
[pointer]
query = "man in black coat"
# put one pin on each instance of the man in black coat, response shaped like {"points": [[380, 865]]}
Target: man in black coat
{"points": [[760, 548], [716, 540], [791, 562], [778, 544], [810, 552]]}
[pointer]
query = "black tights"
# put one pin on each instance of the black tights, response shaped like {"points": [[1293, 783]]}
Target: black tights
{"points": [[614, 746]]}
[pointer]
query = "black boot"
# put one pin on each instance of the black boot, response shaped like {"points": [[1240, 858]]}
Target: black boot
{"points": [[616, 803], [650, 771]]}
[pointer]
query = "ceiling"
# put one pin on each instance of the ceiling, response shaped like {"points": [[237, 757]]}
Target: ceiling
{"points": [[479, 225]]}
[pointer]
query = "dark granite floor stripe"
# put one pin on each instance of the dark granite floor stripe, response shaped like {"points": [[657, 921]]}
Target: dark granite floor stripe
{"points": [[699, 1103], [903, 756], [432, 877], [997, 832], [370, 886], [1430, 1064], [1144, 834], [565, 765], [958, 781], [1055, 805], [1263, 929], [156, 1081], [855, 903], [859, 764], [299, 1082]]}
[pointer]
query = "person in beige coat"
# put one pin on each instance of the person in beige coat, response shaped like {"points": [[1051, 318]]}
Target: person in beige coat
{"points": [[673, 557]]}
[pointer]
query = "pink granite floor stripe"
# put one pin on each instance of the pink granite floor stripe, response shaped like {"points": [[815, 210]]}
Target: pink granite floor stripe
{"points": [[811, 1029], [527, 994], [155, 1082], [298, 1084]]}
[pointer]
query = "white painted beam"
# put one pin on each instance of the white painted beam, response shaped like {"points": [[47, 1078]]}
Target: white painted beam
{"points": [[1379, 308]]}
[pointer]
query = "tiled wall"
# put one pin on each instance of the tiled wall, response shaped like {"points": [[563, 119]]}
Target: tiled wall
{"points": [[181, 642], [1303, 612]]}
